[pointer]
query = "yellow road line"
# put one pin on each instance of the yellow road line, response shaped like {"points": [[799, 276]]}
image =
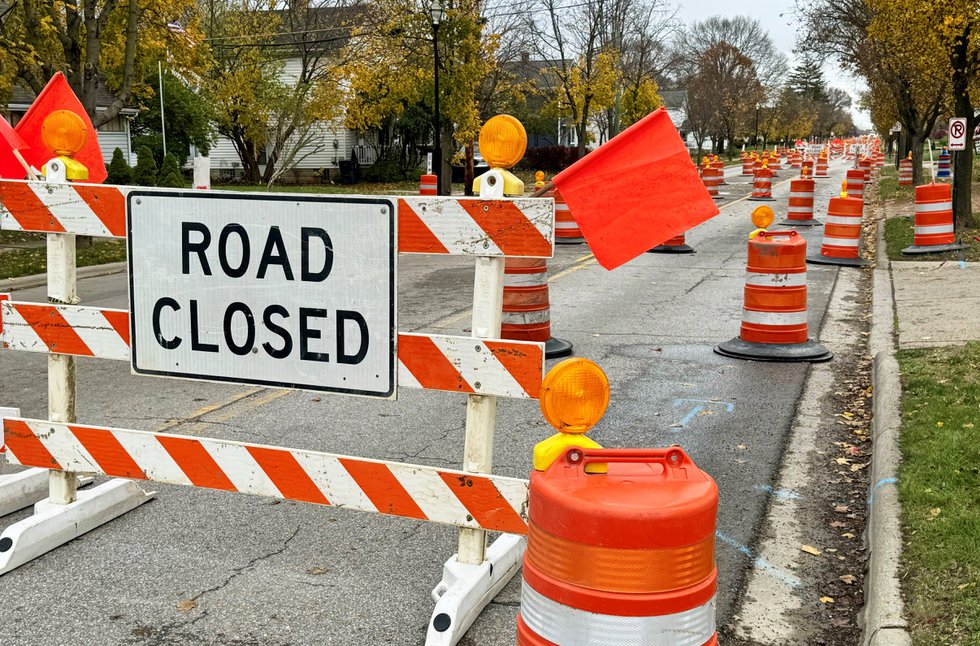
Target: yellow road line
{"points": [[204, 410], [572, 269], [727, 204], [586, 257]]}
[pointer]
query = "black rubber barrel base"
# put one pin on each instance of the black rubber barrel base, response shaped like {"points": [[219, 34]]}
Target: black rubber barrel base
{"points": [[556, 348], [569, 240], [662, 248], [830, 260], [937, 248], [799, 223], [792, 352], [762, 199]]}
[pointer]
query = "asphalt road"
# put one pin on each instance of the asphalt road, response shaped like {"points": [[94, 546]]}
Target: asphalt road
{"points": [[201, 567]]}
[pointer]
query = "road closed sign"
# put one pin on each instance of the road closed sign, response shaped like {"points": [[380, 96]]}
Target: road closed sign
{"points": [[284, 291], [957, 133]]}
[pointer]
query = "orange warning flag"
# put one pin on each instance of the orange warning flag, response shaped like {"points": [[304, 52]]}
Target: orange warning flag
{"points": [[636, 191], [10, 141], [58, 95]]}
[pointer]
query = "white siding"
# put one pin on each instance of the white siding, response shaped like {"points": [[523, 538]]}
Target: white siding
{"points": [[109, 141]]}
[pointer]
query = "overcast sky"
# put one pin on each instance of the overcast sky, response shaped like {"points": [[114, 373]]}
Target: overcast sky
{"points": [[779, 19]]}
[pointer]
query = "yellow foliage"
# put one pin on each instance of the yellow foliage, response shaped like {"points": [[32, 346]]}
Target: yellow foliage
{"points": [[640, 101]]}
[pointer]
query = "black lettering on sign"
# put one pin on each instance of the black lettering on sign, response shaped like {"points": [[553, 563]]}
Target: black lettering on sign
{"points": [[275, 254], [305, 334], [238, 230], [342, 356], [166, 301], [187, 247], [275, 328], [196, 344], [246, 347], [308, 275]]}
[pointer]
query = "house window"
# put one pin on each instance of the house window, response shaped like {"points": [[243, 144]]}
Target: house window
{"points": [[116, 124]]}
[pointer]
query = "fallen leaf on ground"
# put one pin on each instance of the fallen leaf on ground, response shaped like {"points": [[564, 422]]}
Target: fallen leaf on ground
{"points": [[317, 571], [741, 446], [848, 578], [838, 524], [841, 509], [847, 535], [841, 461], [187, 605], [935, 511], [826, 599], [810, 549]]}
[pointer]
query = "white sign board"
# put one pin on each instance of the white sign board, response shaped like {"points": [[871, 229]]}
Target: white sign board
{"points": [[957, 133], [278, 290]]}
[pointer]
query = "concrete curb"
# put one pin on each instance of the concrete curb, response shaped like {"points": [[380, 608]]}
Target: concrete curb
{"points": [[882, 618], [27, 282]]}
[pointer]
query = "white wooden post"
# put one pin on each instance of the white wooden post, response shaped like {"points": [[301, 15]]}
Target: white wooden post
{"points": [[202, 172], [62, 288]]}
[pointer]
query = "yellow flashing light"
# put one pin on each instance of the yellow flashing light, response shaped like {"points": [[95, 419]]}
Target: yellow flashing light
{"points": [[843, 189], [763, 216], [503, 141], [64, 132], [574, 395]]}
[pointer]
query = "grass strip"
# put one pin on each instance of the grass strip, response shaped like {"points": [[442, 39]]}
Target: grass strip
{"points": [[28, 262], [939, 487]]}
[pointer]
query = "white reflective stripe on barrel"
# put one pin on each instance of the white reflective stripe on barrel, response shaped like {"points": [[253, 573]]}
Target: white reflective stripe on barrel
{"points": [[756, 317], [845, 220], [560, 624], [798, 194], [775, 280], [526, 318], [938, 228], [536, 279], [933, 207], [840, 242], [565, 224]]}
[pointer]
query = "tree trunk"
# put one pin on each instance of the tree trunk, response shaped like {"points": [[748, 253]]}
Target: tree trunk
{"points": [[963, 166], [446, 172], [468, 169], [917, 141]]}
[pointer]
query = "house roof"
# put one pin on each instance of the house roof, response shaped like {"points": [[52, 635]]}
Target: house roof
{"points": [[673, 98], [22, 97]]}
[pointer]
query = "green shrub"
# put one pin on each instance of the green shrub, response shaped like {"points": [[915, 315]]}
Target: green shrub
{"points": [[119, 169], [172, 180], [384, 170], [145, 173]]}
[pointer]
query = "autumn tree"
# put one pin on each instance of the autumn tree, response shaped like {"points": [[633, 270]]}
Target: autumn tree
{"points": [[107, 44]]}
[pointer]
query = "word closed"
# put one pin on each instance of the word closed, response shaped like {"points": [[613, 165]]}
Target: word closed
{"points": [[288, 291]]}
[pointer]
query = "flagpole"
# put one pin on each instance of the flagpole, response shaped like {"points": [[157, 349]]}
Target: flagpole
{"points": [[163, 125], [31, 175]]}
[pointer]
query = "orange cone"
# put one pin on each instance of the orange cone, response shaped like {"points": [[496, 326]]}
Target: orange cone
{"points": [[774, 317], [934, 231], [620, 551]]}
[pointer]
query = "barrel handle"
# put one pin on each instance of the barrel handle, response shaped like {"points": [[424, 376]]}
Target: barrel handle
{"points": [[672, 458], [781, 233]]}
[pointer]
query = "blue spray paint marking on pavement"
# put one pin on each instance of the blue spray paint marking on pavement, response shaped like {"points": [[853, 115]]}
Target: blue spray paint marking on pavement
{"points": [[761, 563], [878, 485], [700, 407], [785, 494]]}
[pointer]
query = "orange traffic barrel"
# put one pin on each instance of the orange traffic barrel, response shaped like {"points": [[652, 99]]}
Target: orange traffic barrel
{"points": [[428, 185], [762, 185], [905, 172], [934, 232], [677, 244], [748, 166], [774, 315], [795, 159], [711, 177], [566, 229], [527, 305], [800, 211], [808, 165], [620, 551], [822, 166], [775, 164], [719, 165], [855, 183], [841, 234], [865, 166]]}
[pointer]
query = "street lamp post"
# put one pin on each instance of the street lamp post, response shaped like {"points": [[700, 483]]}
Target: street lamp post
{"points": [[437, 13], [756, 138]]}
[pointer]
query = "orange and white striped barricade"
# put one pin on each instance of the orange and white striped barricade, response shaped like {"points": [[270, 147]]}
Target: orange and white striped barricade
{"points": [[620, 551], [527, 306], [855, 183], [677, 244], [711, 177], [566, 229], [482, 366], [841, 243], [905, 172], [821, 168], [762, 185], [934, 232], [748, 166], [774, 315], [428, 184], [800, 211]]}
